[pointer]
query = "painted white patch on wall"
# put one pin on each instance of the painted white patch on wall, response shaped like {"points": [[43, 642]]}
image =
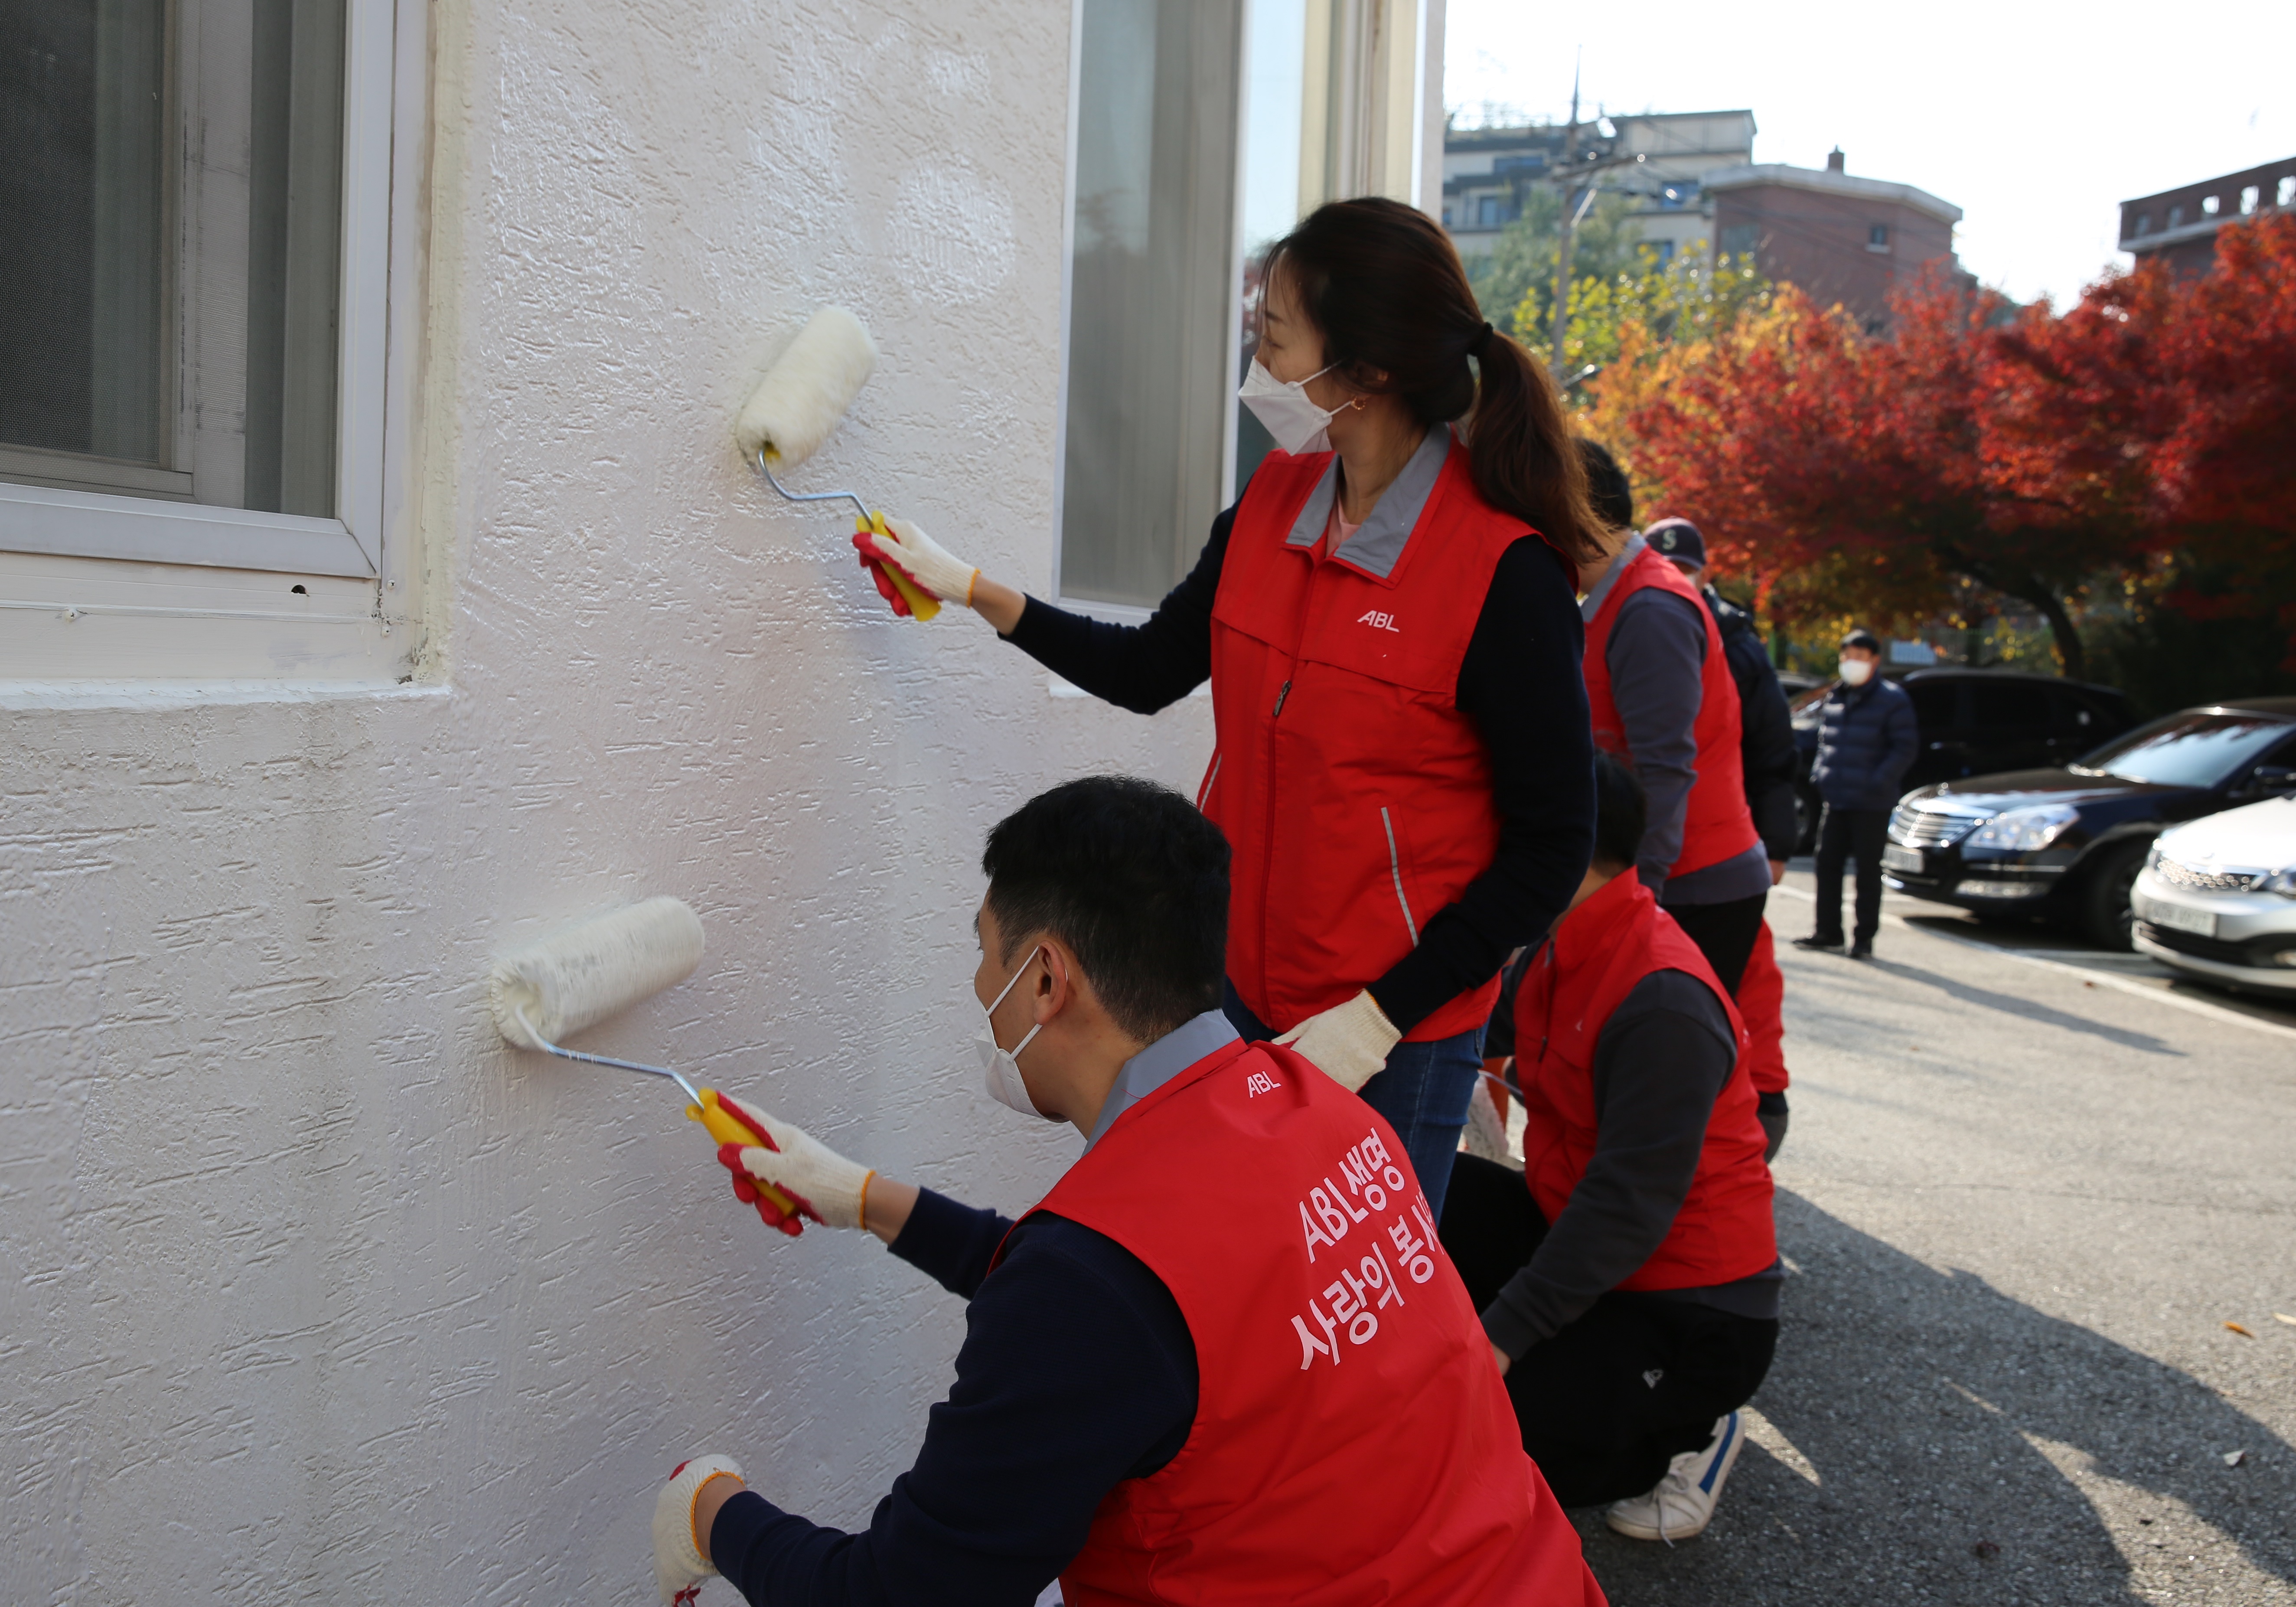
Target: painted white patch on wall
{"points": [[951, 234]]}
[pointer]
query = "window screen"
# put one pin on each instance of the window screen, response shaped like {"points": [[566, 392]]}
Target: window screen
{"points": [[171, 228], [1151, 307]]}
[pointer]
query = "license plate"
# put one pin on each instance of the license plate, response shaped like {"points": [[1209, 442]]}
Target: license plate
{"points": [[2176, 917], [1894, 858]]}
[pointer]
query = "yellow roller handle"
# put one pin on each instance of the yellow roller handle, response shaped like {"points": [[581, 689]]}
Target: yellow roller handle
{"points": [[921, 602], [727, 1128]]}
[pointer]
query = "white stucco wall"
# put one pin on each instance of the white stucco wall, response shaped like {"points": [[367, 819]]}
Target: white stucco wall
{"points": [[312, 1290]]}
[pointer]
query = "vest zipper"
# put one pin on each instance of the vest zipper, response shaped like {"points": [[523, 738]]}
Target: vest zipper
{"points": [[1395, 869], [1205, 796], [1282, 693]]}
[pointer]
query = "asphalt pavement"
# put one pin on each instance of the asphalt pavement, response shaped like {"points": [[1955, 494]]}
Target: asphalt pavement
{"points": [[2028, 1191]]}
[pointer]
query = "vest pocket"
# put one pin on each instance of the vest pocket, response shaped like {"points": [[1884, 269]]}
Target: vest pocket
{"points": [[1395, 870]]}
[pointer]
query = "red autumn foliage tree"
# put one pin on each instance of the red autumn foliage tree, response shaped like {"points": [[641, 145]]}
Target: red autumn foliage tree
{"points": [[2017, 450]]}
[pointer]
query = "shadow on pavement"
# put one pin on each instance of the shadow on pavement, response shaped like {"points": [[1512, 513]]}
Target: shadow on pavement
{"points": [[1968, 1449], [2063, 1020]]}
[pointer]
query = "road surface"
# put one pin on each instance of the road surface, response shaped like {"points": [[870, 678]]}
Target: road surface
{"points": [[2026, 1190]]}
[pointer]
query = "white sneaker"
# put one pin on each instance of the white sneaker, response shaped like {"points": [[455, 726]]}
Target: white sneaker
{"points": [[1682, 1503]]}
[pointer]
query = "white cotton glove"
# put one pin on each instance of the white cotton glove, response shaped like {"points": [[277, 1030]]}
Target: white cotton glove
{"points": [[928, 563], [834, 1188], [1347, 1043], [679, 1565]]}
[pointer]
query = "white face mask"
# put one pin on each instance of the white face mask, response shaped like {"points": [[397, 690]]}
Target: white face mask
{"points": [[1857, 671], [999, 1066], [1284, 411]]}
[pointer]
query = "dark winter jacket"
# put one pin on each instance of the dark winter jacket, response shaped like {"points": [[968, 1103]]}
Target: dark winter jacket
{"points": [[1866, 738], [1765, 741]]}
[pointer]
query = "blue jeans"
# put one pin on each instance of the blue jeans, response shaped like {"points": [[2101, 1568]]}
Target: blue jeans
{"points": [[1424, 1094]]}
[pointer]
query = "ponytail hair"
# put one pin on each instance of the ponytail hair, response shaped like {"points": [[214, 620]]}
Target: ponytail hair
{"points": [[1382, 284]]}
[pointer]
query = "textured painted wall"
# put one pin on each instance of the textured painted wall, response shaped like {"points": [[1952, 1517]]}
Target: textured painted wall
{"points": [[311, 1290]]}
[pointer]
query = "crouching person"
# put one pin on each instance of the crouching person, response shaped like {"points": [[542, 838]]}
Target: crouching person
{"points": [[1223, 1360], [1631, 1292]]}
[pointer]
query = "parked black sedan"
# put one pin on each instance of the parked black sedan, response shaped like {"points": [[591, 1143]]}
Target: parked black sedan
{"points": [[1974, 722], [2066, 842]]}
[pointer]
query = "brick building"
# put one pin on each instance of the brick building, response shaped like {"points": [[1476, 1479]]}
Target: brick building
{"points": [[2180, 227], [1844, 239]]}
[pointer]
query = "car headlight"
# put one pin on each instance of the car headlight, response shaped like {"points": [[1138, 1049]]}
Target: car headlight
{"points": [[2152, 857], [2023, 830], [2281, 882]]}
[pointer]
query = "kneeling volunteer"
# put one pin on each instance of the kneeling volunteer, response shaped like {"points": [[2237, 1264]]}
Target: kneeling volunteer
{"points": [[1631, 1291], [1223, 1360]]}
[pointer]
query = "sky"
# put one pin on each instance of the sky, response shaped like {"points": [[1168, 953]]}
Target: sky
{"points": [[2036, 120]]}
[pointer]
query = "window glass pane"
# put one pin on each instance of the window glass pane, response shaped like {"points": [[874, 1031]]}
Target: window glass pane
{"points": [[1275, 107], [2011, 705], [1936, 704], [1151, 310], [80, 234], [294, 208], [170, 247]]}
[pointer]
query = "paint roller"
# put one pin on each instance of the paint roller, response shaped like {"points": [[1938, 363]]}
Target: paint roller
{"points": [[577, 976], [793, 412]]}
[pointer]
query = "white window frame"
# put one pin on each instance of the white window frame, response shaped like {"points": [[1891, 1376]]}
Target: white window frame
{"points": [[87, 524]]}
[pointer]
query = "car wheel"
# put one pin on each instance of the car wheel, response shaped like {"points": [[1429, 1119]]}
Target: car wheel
{"points": [[2104, 895], [1806, 812]]}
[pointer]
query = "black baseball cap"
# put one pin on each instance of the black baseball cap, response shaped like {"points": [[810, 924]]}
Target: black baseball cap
{"points": [[1861, 637], [1677, 538]]}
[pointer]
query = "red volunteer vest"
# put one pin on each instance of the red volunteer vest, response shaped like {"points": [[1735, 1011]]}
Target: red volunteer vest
{"points": [[1354, 795], [1717, 825], [1761, 1002], [1724, 1231], [1353, 1443]]}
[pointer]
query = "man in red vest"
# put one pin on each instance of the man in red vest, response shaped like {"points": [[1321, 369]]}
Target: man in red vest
{"points": [[1631, 1289], [1660, 691], [1224, 1360]]}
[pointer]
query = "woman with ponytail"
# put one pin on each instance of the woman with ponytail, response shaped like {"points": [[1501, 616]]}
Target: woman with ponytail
{"points": [[1403, 767]]}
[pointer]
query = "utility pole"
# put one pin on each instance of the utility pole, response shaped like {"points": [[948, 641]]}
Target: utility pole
{"points": [[1560, 323]]}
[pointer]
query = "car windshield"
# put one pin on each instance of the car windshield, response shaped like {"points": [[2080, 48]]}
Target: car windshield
{"points": [[2195, 748]]}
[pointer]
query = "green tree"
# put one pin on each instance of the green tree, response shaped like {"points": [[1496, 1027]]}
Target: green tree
{"points": [[1687, 300], [1515, 284]]}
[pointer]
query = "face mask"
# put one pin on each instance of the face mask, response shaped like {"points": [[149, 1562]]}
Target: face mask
{"points": [[1284, 411], [999, 1066], [1857, 671]]}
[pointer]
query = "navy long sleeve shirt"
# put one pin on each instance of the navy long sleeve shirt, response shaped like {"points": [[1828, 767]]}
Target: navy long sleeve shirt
{"points": [[1519, 683], [1076, 1372]]}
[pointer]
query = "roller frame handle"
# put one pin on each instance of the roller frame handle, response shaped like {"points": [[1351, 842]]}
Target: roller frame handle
{"points": [[922, 604], [727, 1128]]}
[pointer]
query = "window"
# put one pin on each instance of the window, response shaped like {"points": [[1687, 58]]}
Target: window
{"points": [[2177, 218], [2208, 205], [2005, 705], [1488, 210], [1665, 249], [2144, 225], [1203, 130], [1740, 239], [187, 345], [1150, 315], [1877, 237], [1937, 705], [2287, 193], [2248, 200]]}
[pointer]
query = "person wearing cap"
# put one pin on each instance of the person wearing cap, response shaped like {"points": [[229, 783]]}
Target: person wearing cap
{"points": [[1866, 740], [1766, 753], [1662, 698]]}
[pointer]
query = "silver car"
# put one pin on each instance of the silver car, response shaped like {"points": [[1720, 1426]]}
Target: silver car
{"points": [[2217, 897]]}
